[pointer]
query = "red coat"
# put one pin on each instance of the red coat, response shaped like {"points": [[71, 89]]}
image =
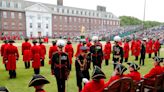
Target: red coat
{"points": [[70, 51], [78, 49], [113, 78], [132, 46], [136, 49], [52, 49], [2, 51], [149, 46], [36, 56], [46, 39], [11, 55], [126, 50], [154, 72], [156, 46], [89, 44], [107, 51], [26, 51], [94, 86], [134, 75], [43, 51]]}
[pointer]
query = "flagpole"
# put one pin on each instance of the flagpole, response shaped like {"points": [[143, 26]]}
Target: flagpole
{"points": [[144, 13]]}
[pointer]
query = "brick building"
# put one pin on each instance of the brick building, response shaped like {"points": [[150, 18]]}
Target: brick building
{"points": [[25, 18]]}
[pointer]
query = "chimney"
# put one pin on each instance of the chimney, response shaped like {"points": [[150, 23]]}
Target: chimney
{"points": [[60, 2]]}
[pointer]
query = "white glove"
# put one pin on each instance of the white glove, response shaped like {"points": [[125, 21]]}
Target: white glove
{"points": [[85, 80]]}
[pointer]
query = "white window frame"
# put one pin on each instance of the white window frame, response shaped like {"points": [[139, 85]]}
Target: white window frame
{"points": [[12, 15]]}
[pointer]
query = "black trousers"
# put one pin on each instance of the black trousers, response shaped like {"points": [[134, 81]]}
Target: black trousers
{"points": [[27, 65], [60, 84], [36, 70], [115, 60], [126, 59], [12, 74], [80, 75], [155, 54], [149, 55], [5, 66], [136, 59], [97, 61], [42, 62], [142, 61], [106, 62]]}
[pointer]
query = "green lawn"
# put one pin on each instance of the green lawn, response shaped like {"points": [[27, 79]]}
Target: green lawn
{"points": [[20, 84]]}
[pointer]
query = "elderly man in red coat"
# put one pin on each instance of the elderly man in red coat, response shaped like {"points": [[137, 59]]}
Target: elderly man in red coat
{"points": [[52, 50], [97, 83], [26, 52], [11, 55], [2, 52], [136, 48], [156, 70], [117, 74], [107, 52], [70, 51], [134, 74], [156, 46], [36, 57], [126, 49], [149, 46], [43, 52]]}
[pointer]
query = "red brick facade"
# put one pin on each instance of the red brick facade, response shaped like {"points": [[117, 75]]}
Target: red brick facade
{"points": [[13, 23]]}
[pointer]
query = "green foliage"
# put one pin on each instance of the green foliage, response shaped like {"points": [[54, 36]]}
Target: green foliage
{"points": [[128, 20]]}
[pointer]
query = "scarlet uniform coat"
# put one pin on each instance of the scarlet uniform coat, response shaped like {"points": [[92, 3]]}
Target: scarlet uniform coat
{"points": [[136, 48], [26, 51], [156, 46], [149, 46], [52, 50], [134, 75], [70, 51], [43, 51], [107, 51], [89, 44], [94, 86], [154, 72], [11, 55], [126, 50], [78, 49], [2, 51], [36, 56], [132, 46]]}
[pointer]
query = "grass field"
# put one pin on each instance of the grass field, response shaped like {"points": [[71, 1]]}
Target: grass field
{"points": [[20, 84]]}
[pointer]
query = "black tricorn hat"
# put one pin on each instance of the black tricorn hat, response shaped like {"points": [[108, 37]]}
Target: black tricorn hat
{"points": [[40, 41], [133, 65], [97, 73], [120, 68], [11, 41], [157, 59], [69, 42], [38, 80], [26, 39], [54, 42], [3, 89], [5, 41], [34, 41]]}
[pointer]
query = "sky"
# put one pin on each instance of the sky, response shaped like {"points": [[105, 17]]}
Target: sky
{"points": [[135, 8]]}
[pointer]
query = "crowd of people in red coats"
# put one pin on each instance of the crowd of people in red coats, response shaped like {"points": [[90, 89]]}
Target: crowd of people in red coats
{"points": [[36, 53]]}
